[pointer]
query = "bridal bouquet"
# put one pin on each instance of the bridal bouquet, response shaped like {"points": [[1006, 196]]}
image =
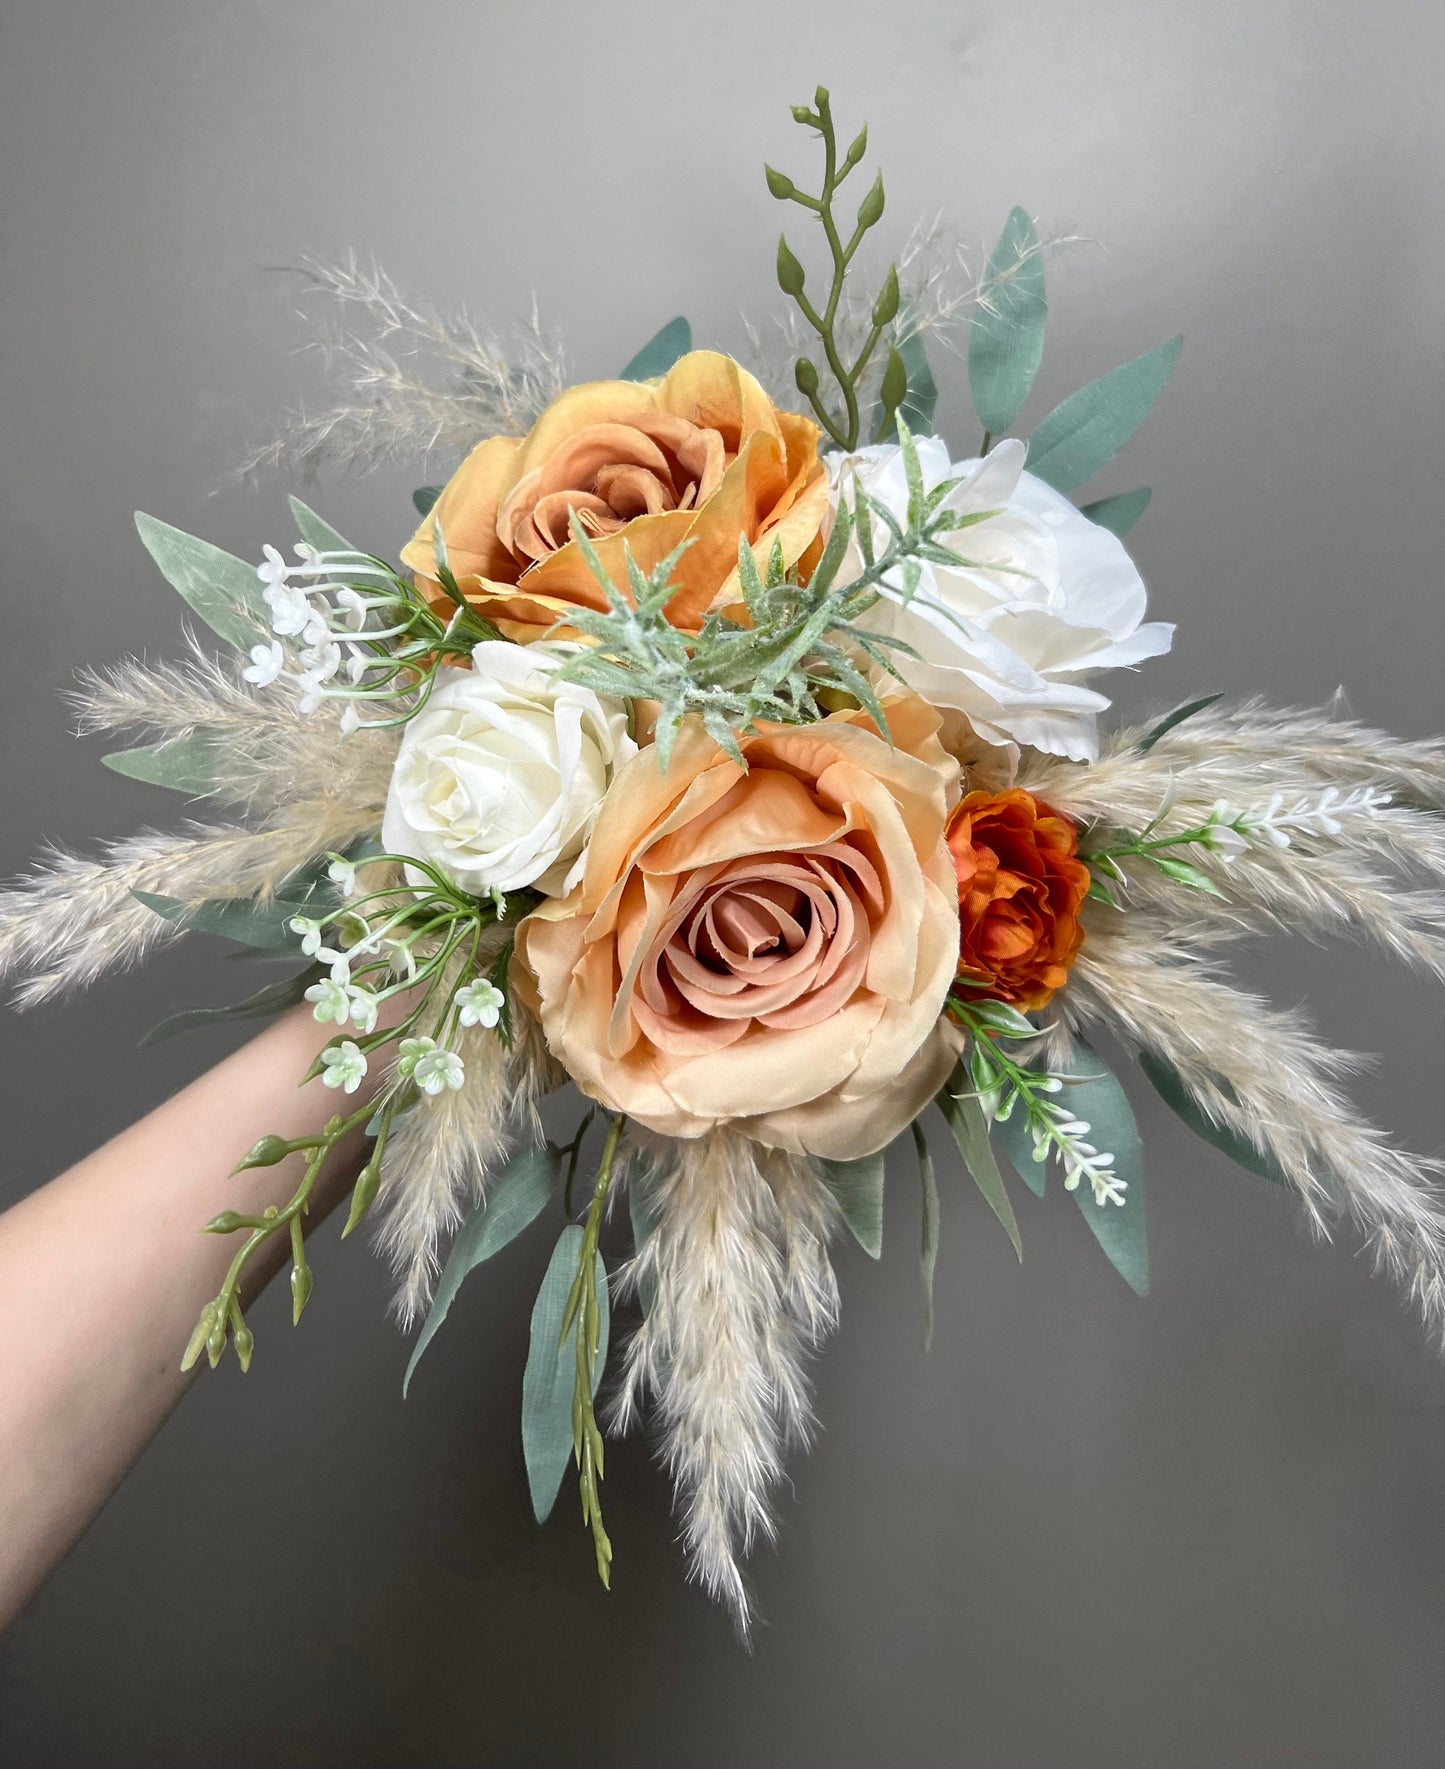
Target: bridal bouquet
{"points": [[726, 744]]}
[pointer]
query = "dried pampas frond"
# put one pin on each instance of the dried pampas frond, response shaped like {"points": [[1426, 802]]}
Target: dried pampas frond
{"points": [[1256, 1071], [440, 1153], [740, 1289], [414, 379]]}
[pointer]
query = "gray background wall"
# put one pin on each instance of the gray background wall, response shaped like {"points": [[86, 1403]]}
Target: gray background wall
{"points": [[1205, 1529]]}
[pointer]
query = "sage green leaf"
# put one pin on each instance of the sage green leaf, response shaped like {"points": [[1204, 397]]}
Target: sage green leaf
{"points": [[1006, 339], [550, 1378], [273, 999], [316, 531], [1166, 1081], [1011, 1134], [1089, 428], [928, 1246], [660, 351], [1119, 513], [222, 589], [858, 1187], [515, 1198], [425, 497], [250, 922], [1177, 717], [1101, 1102], [969, 1125], [184, 764], [922, 396]]}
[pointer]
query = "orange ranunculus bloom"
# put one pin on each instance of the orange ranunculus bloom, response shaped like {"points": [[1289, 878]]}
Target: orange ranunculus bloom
{"points": [[768, 948], [1020, 888], [701, 454]]}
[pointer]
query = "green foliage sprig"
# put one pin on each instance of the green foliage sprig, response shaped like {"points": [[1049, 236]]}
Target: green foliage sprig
{"points": [[845, 431], [804, 641]]}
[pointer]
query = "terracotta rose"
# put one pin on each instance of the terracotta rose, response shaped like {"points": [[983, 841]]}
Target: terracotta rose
{"points": [[700, 455], [769, 948], [1020, 888]]}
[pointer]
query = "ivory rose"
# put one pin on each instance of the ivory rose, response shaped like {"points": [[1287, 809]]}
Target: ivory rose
{"points": [[769, 948], [1040, 598], [700, 455], [499, 777], [1021, 886]]}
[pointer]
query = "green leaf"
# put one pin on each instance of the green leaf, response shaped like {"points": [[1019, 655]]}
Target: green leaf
{"points": [[184, 764], [858, 1187], [1089, 428], [928, 1246], [425, 497], [1119, 513], [1006, 339], [970, 1131], [271, 1000], [316, 531], [660, 351], [221, 588], [918, 405], [1167, 1083], [551, 1374], [515, 1198], [244, 919], [1101, 1102], [1177, 717]]}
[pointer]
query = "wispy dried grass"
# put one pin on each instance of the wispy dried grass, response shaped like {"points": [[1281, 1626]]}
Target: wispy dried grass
{"points": [[1258, 1072], [740, 1290], [413, 379]]}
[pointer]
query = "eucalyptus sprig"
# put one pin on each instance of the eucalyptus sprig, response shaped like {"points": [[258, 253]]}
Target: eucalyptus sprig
{"points": [[583, 1312], [1004, 1085], [845, 431], [800, 642]]}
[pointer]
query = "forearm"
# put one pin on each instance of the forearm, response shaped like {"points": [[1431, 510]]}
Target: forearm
{"points": [[103, 1273]]}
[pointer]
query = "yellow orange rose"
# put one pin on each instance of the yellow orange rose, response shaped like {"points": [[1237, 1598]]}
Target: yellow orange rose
{"points": [[700, 455], [769, 948]]}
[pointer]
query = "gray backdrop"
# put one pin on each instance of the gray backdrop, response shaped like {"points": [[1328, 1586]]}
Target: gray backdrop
{"points": [[1204, 1529]]}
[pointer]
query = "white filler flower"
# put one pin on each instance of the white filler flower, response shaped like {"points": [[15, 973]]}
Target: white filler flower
{"points": [[501, 775], [1040, 598]]}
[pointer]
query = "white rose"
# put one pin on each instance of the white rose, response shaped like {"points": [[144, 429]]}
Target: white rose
{"points": [[500, 777], [1041, 596]]}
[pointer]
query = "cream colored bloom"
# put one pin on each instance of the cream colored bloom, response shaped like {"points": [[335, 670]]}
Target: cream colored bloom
{"points": [[1041, 598], [500, 777]]}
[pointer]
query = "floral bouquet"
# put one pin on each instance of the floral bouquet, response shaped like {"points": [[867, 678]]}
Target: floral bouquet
{"points": [[728, 749]]}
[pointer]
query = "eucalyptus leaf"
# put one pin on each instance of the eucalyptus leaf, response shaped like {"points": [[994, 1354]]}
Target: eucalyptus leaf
{"points": [[250, 922], [1119, 513], [1088, 429], [858, 1187], [184, 764], [316, 531], [1006, 339], [922, 396], [425, 497], [515, 1198], [660, 351], [928, 1240], [1119, 1229], [222, 589], [969, 1125], [550, 1378], [273, 999], [1168, 1084]]}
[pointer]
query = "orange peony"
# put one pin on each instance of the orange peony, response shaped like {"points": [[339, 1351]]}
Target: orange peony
{"points": [[769, 948], [1020, 889], [700, 455]]}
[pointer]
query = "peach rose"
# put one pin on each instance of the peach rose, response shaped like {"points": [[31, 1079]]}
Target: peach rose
{"points": [[1020, 888], [769, 948], [700, 455]]}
